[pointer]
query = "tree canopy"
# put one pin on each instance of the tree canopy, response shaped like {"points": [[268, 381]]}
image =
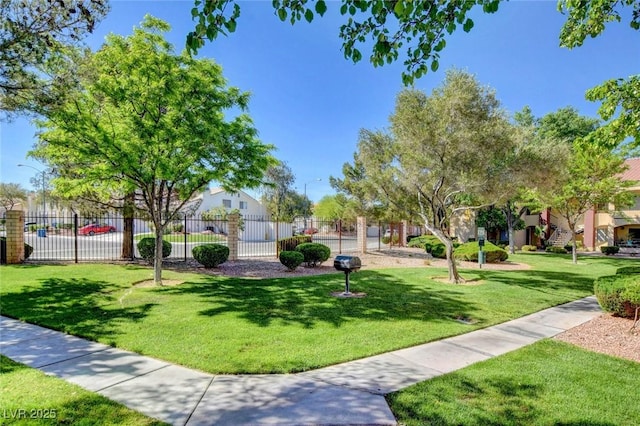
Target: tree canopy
{"points": [[32, 34], [445, 155], [590, 176], [421, 28], [151, 123], [11, 194]]}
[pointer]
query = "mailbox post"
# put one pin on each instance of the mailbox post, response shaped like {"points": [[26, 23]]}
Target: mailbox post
{"points": [[481, 254]]}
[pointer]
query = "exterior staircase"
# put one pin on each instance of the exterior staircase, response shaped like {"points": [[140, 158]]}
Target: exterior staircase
{"points": [[559, 238]]}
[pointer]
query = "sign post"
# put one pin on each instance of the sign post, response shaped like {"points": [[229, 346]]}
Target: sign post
{"points": [[481, 254]]}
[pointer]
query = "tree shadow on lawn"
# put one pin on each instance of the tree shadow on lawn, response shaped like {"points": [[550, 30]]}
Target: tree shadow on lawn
{"points": [[76, 306], [308, 300], [544, 281]]}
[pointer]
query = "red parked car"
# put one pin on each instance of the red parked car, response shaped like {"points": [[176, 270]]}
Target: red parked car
{"points": [[94, 228]]}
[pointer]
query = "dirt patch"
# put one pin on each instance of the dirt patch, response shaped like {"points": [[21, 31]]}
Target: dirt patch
{"points": [[151, 283]]}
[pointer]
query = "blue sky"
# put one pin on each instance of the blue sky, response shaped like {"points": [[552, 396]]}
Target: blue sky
{"points": [[310, 102]]}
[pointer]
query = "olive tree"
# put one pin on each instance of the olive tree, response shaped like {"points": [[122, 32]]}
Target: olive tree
{"points": [[447, 153]]}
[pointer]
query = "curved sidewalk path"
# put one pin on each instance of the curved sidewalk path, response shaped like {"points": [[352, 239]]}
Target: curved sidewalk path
{"points": [[349, 393]]}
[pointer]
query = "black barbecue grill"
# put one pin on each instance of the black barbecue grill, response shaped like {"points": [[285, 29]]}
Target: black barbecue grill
{"points": [[347, 264]]}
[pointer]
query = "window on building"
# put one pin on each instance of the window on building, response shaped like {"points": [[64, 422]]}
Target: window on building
{"points": [[243, 205], [226, 203]]}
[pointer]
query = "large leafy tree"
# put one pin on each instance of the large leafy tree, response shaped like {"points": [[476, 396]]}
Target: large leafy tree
{"points": [[589, 177], [592, 179], [11, 194], [420, 29], [336, 207], [151, 123], [34, 33], [278, 194], [445, 154]]}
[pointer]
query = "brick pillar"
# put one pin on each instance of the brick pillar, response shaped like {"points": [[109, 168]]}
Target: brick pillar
{"points": [[15, 236], [232, 237], [362, 234]]}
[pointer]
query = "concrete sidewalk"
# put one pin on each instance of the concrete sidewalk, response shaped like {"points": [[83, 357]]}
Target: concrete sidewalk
{"points": [[349, 393]]}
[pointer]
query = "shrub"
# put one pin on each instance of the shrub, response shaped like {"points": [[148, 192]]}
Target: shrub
{"points": [[3, 250], [210, 255], [435, 247], [469, 252], [314, 253], [147, 248], [177, 227], [290, 244], [554, 249], [611, 292], [418, 241], [527, 247], [291, 259], [609, 250], [395, 238], [625, 270]]}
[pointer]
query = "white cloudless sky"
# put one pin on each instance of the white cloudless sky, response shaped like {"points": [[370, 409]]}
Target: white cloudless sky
{"points": [[310, 102]]}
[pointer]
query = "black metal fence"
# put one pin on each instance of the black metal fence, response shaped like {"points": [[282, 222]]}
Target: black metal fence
{"points": [[78, 238]]}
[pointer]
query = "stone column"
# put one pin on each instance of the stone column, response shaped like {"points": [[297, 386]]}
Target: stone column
{"points": [[15, 236], [232, 237], [362, 234]]}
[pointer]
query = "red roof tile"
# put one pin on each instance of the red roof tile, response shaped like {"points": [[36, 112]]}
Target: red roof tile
{"points": [[633, 172]]}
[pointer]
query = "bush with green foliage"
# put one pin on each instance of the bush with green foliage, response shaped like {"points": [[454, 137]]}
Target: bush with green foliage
{"points": [[628, 270], [147, 248], [528, 247], [210, 255], [469, 252], [609, 250], [290, 243], [418, 241], [555, 249], [395, 238], [3, 250], [611, 292], [291, 259], [314, 253]]}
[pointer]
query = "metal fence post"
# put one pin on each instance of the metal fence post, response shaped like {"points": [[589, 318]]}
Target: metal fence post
{"points": [[340, 236], [184, 230], [75, 236]]}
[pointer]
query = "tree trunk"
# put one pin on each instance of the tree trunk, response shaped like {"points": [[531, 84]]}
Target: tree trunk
{"points": [[127, 231], [454, 276], [574, 253], [157, 260], [509, 217]]}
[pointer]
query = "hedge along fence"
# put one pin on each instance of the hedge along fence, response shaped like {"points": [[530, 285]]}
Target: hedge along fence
{"points": [[290, 243], [618, 293]]}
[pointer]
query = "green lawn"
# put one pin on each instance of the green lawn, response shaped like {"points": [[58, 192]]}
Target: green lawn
{"points": [[229, 325], [191, 238], [547, 383], [28, 397]]}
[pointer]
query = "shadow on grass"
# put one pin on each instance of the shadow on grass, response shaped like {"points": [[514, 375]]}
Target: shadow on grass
{"points": [[308, 300], [76, 306], [545, 281]]}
